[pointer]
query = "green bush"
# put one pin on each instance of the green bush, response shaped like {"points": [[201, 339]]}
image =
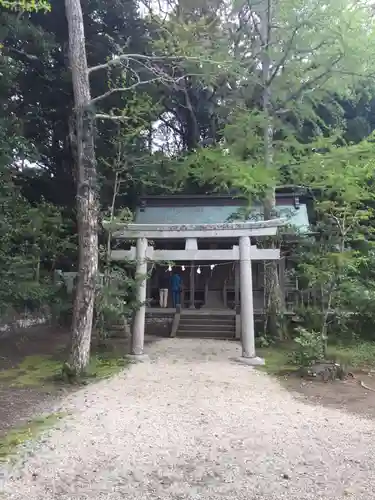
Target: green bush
{"points": [[309, 347], [114, 300]]}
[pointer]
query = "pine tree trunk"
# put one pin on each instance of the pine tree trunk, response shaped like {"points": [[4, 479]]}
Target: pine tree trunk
{"points": [[87, 205], [274, 300]]}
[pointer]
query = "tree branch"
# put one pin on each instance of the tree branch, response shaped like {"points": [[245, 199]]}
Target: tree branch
{"points": [[256, 23], [118, 60], [163, 78], [117, 118], [123, 89], [170, 125], [25, 55], [309, 83], [282, 61]]}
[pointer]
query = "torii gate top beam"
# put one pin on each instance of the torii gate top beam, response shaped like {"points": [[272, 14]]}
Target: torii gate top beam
{"points": [[180, 231]]}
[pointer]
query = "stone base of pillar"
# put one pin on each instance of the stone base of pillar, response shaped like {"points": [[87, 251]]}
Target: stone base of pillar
{"points": [[138, 358], [250, 361]]}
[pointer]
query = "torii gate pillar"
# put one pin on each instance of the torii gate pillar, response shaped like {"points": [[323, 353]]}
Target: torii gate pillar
{"points": [[138, 334], [247, 305]]}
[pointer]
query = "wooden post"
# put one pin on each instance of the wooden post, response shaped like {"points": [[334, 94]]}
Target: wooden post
{"points": [[282, 277], [192, 285], [148, 287], [236, 285], [176, 321]]}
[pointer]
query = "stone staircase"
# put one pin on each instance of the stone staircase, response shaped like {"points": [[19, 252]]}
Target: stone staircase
{"points": [[210, 325]]}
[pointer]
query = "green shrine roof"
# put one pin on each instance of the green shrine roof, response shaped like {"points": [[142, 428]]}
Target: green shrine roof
{"points": [[208, 214]]}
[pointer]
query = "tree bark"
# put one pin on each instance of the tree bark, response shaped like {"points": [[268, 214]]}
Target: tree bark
{"points": [[274, 320], [87, 204]]}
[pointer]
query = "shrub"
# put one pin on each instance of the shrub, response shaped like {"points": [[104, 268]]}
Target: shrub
{"points": [[309, 347], [114, 301]]}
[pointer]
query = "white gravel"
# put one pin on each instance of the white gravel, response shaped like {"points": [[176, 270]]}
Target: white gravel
{"points": [[194, 425]]}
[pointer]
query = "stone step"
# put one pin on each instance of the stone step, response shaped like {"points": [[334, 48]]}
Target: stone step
{"points": [[206, 327], [208, 334], [207, 324], [208, 319]]}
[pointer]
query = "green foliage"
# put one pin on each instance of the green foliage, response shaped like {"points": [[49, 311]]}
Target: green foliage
{"points": [[226, 172], [342, 292], [358, 354], [318, 54], [31, 239], [309, 348], [333, 41], [356, 319], [33, 236], [115, 300], [331, 266], [26, 5], [264, 341], [280, 359]]}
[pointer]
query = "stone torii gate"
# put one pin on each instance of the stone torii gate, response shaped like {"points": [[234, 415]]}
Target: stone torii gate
{"points": [[244, 252]]}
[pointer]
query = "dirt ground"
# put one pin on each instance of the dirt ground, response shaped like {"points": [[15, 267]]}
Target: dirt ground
{"points": [[18, 404], [347, 395]]}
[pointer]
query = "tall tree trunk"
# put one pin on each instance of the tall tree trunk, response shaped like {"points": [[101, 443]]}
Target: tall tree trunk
{"points": [[87, 204], [273, 294]]}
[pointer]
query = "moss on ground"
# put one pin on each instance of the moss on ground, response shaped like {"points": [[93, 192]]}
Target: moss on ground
{"points": [[27, 432], [44, 371], [33, 371], [106, 364]]}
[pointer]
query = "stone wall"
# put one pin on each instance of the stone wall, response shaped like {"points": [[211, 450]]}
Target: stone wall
{"points": [[158, 324], [16, 323]]}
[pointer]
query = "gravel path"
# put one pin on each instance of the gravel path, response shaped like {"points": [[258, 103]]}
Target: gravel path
{"points": [[194, 425]]}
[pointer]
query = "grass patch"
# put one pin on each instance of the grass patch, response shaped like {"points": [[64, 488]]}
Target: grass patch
{"points": [[45, 371], [20, 435], [277, 358], [359, 355]]}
